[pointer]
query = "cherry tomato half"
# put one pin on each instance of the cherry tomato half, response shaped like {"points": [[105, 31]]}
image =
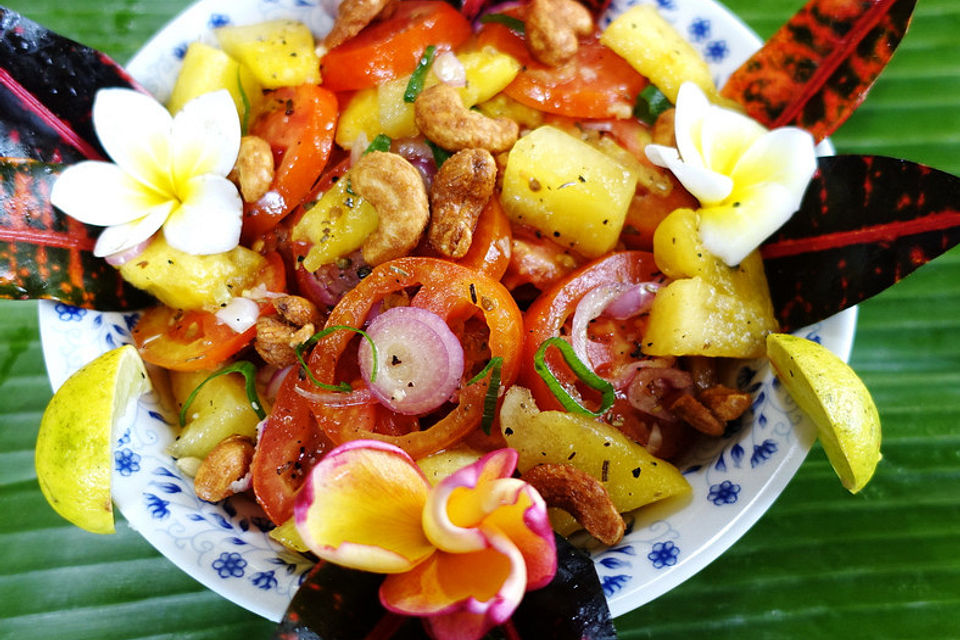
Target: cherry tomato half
{"points": [[391, 48], [299, 123], [596, 83]]}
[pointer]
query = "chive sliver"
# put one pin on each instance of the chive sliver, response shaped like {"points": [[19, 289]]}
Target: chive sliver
{"points": [[493, 391], [343, 387], [581, 370], [419, 75], [650, 104], [242, 367]]}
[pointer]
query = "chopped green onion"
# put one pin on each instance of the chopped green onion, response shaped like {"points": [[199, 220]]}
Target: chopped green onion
{"points": [[245, 100], [514, 24], [312, 340], [650, 104], [380, 143], [249, 373], [493, 391], [440, 155], [579, 369], [419, 75]]}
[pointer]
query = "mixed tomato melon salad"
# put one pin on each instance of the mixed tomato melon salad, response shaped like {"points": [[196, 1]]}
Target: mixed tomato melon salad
{"points": [[395, 264]]}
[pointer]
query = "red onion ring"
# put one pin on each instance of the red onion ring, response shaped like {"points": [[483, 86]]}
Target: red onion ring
{"points": [[420, 361], [644, 398], [634, 300], [334, 399], [125, 256]]}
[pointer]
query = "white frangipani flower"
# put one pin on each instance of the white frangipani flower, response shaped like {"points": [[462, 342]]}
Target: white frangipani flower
{"points": [[169, 172], [749, 180]]}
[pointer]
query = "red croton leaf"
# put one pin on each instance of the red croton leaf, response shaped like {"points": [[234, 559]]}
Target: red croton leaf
{"points": [[46, 254], [865, 223], [817, 69], [39, 117]]}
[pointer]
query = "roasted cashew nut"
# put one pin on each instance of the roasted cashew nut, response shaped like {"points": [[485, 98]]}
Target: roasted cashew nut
{"points": [[442, 118], [395, 189], [582, 496], [352, 17], [254, 170], [461, 189], [552, 29]]}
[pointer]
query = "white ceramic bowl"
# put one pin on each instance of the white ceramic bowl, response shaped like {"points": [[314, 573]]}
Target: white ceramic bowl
{"points": [[225, 546]]}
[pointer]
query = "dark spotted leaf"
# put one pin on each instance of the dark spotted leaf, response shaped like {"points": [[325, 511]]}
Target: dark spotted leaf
{"points": [[47, 86], [817, 69], [865, 223], [338, 603], [46, 254]]}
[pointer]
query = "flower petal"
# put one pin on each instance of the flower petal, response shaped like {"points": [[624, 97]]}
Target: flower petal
{"points": [[465, 594], [101, 194], [732, 231], [527, 526], [692, 108], [457, 506], [707, 186], [135, 131], [361, 508], [121, 237], [726, 136], [787, 156], [206, 137], [209, 218]]}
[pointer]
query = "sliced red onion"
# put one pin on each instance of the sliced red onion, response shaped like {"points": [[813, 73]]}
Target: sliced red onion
{"points": [[643, 396], [239, 314], [419, 360], [334, 399], [590, 307], [272, 387], [125, 256], [634, 301], [479, 8], [329, 283], [450, 70], [418, 153]]}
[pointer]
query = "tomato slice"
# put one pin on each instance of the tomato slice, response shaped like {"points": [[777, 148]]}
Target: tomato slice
{"points": [[196, 340], [596, 83], [391, 48], [299, 123], [451, 291], [490, 250]]}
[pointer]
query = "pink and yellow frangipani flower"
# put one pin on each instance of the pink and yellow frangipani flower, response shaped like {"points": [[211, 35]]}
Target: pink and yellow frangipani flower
{"points": [[461, 554]]}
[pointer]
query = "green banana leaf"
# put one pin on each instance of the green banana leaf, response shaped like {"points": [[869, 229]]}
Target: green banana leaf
{"points": [[821, 563]]}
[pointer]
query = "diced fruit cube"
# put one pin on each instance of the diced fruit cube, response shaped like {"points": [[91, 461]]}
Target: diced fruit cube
{"points": [[654, 48], [566, 189], [632, 476], [280, 53], [206, 69], [335, 226], [710, 309]]}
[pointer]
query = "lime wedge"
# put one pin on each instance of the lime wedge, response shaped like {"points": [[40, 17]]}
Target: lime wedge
{"points": [[73, 454], [834, 397]]}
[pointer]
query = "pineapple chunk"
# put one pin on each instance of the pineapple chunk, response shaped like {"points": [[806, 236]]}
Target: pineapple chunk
{"points": [[206, 69], [396, 115], [220, 409], [503, 106], [710, 309], [280, 53], [568, 190], [361, 116], [631, 475], [488, 73], [185, 281], [655, 49], [335, 226]]}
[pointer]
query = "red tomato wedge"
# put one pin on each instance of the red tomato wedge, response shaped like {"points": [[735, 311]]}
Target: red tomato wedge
{"points": [[597, 83], [196, 340], [299, 123], [391, 48]]}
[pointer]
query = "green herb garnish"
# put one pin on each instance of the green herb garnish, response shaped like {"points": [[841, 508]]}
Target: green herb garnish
{"points": [[440, 155], [249, 373], [650, 104], [343, 387], [579, 369], [419, 75], [514, 24], [380, 143], [493, 391]]}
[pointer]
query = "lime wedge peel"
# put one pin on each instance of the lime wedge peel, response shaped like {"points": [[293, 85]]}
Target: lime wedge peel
{"points": [[836, 400], [73, 456]]}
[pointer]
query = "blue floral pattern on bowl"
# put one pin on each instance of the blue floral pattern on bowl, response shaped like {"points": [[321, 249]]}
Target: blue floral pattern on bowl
{"points": [[226, 546]]}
